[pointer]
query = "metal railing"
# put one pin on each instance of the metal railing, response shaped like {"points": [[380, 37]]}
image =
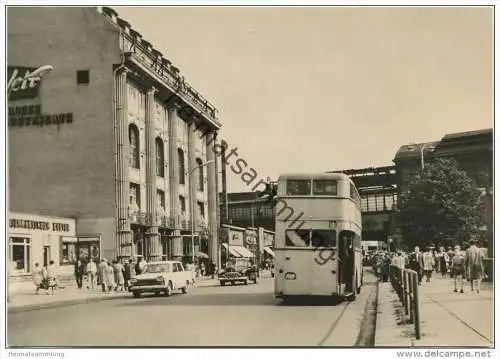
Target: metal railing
{"points": [[405, 284]]}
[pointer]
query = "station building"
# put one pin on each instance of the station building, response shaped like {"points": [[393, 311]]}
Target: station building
{"points": [[113, 138]]}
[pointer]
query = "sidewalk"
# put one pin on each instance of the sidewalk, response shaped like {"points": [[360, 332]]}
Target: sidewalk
{"points": [[447, 319], [28, 300]]}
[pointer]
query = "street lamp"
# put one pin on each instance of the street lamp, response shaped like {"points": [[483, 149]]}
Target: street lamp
{"points": [[192, 195], [422, 147]]}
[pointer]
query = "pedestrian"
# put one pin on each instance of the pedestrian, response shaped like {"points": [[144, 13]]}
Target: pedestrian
{"points": [[91, 274], [52, 281], [416, 263], [37, 275], [474, 262], [101, 274], [212, 269], [127, 273], [428, 264], [119, 277], [457, 269], [142, 264], [444, 261], [79, 271], [109, 277]]}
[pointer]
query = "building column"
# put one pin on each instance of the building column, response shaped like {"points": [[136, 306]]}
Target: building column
{"points": [[193, 176], [176, 239], [212, 200], [153, 249], [123, 233]]}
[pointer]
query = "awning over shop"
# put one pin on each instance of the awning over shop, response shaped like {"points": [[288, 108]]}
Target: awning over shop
{"points": [[269, 251], [202, 255], [231, 250], [243, 251]]}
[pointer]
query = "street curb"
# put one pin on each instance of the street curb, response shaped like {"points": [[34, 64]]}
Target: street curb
{"points": [[58, 304], [70, 302], [368, 330]]}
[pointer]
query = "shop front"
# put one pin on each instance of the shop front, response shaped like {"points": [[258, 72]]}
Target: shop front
{"points": [[42, 239]]}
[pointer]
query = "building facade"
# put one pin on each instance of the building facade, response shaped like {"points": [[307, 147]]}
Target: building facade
{"points": [[246, 209], [113, 137]]}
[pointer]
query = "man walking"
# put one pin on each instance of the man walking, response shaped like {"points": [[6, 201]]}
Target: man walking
{"points": [[475, 265], [79, 271], [417, 264], [458, 269], [91, 274]]}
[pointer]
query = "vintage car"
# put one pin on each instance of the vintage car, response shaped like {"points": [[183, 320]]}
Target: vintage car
{"points": [[238, 275], [161, 277]]}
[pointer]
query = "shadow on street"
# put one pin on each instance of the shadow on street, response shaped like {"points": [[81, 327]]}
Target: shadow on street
{"points": [[231, 299]]}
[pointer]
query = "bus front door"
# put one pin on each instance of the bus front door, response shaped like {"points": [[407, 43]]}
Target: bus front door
{"points": [[346, 263]]}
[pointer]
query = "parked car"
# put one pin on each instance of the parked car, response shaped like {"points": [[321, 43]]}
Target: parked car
{"points": [[233, 275], [161, 277]]}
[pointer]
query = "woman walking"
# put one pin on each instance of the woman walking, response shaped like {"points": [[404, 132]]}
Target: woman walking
{"points": [[109, 278], [37, 277], [119, 277], [428, 260]]}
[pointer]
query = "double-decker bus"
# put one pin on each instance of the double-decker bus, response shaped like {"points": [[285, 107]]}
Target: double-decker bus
{"points": [[318, 236]]}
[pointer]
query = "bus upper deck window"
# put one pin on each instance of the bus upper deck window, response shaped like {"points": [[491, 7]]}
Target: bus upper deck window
{"points": [[298, 187], [325, 187]]}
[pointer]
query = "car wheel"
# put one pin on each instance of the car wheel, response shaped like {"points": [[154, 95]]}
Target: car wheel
{"points": [[186, 288], [255, 280], [136, 294], [168, 291]]}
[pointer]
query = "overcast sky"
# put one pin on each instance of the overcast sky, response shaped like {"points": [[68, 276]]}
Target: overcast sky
{"points": [[317, 89]]}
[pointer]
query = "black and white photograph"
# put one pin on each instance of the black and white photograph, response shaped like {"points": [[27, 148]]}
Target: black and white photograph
{"points": [[240, 175]]}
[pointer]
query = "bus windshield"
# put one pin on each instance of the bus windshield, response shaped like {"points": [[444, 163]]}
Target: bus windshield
{"points": [[326, 187], [311, 238], [298, 187]]}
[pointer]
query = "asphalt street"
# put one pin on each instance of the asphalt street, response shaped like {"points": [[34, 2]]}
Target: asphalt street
{"points": [[206, 316]]}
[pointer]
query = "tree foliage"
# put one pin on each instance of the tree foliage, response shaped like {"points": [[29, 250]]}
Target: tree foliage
{"points": [[441, 205]]}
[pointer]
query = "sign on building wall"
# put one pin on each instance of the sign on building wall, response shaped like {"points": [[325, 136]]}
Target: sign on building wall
{"points": [[20, 85], [235, 238]]}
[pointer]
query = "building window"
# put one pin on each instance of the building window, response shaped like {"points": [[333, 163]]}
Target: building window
{"points": [[180, 155], [182, 201], [68, 252], [201, 210], [133, 138], [83, 77], [199, 164], [160, 195], [160, 158], [135, 197], [19, 254]]}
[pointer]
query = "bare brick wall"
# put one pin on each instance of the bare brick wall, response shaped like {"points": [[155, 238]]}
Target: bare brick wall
{"points": [[65, 170]]}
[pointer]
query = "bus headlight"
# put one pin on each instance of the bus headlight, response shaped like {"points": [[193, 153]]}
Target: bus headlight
{"points": [[290, 276]]}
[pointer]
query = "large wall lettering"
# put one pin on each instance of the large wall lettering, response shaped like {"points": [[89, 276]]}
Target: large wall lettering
{"points": [[31, 115], [39, 225]]}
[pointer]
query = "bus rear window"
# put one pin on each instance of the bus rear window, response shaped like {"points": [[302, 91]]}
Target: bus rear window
{"points": [[323, 238], [325, 187], [298, 187], [297, 238]]}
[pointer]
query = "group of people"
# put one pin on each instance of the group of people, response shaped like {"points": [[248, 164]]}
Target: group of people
{"points": [[45, 277], [457, 263], [109, 275]]}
